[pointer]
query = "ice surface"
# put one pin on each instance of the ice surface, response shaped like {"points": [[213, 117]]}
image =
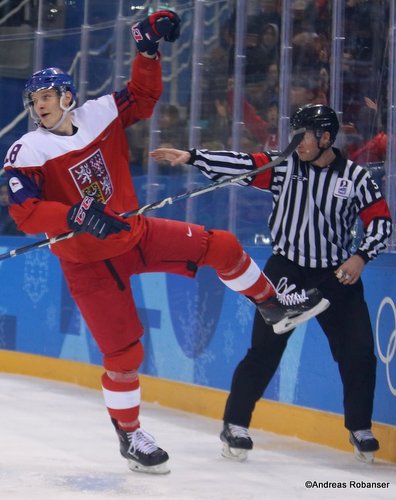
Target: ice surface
{"points": [[57, 443]]}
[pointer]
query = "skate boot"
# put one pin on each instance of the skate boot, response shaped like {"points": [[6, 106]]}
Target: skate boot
{"points": [[237, 442], [142, 452], [364, 444], [286, 310]]}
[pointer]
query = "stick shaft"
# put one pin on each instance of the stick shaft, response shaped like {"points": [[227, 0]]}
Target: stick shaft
{"points": [[297, 138]]}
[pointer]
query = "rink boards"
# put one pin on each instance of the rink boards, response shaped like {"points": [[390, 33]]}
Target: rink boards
{"points": [[196, 332]]}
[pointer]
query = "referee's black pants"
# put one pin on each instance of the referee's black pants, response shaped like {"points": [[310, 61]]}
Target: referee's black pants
{"points": [[347, 326]]}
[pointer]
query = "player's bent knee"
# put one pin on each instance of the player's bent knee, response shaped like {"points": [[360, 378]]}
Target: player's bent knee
{"points": [[122, 366], [223, 251]]}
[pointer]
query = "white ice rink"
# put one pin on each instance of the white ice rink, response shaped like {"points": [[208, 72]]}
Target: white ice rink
{"points": [[57, 443]]}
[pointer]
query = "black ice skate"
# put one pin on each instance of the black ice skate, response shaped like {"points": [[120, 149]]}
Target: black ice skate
{"points": [[287, 310], [237, 442], [364, 444], [142, 452]]}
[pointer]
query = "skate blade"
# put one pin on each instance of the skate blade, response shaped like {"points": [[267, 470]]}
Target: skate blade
{"points": [[364, 456], [149, 469], [288, 324], [237, 454]]}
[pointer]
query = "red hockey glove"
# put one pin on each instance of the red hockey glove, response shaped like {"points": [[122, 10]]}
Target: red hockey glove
{"points": [[162, 24], [95, 218]]}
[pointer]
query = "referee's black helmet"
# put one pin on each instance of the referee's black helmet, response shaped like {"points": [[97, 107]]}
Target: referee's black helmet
{"points": [[318, 118]]}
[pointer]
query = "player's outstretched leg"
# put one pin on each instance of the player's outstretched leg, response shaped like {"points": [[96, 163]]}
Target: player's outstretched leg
{"points": [[236, 442], [364, 444], [141, 451], [287, 308]]}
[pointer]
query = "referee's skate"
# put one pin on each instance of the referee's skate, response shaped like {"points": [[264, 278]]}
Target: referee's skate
{"points": [[287, 310], [236, 442], [364, 444]]}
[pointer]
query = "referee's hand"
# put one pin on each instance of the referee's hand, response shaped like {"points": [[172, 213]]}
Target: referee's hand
{"points": [[173, 156], [349, 272]]}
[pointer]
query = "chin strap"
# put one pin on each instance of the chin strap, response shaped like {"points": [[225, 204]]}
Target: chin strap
{"points": [[321, 151], [64, 114]]}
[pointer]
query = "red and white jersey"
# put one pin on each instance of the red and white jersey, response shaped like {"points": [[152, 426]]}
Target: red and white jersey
{"points": [[49, 173]]}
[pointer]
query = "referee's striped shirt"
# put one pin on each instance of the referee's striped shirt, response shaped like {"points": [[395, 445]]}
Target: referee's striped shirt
{"points": [[314, 208]]}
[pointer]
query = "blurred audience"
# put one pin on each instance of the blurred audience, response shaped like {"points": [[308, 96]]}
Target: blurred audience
{"points": [[373, 150], [173, 129], [270, 12], [359, 149], [269, 41]]}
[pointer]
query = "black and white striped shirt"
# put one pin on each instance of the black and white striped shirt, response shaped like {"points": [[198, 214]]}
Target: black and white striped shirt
{"points": [[314, 208]]}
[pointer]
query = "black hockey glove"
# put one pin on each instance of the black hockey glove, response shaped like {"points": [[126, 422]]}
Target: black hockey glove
{"points": [[95, 218], [162, 24]]}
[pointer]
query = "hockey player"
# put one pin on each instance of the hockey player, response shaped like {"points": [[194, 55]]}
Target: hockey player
{"points": [[317, 196], [72, 173]]}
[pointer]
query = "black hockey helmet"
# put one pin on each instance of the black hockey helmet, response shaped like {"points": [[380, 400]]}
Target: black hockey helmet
{"points": [[318, 118]]}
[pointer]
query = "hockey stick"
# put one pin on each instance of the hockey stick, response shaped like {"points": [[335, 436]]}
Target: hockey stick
{"points": [[296, 139]]}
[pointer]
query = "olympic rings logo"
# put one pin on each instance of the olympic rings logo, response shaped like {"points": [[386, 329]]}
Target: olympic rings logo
{"points": [[387, 357]]}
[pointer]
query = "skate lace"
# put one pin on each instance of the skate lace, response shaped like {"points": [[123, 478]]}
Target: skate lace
{"points": [[284, 295], [238, 431], [142, 441], [363, 435]]}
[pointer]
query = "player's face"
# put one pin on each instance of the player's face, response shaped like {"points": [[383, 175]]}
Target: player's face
{"points": [[308, 148], [46, 104]]}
